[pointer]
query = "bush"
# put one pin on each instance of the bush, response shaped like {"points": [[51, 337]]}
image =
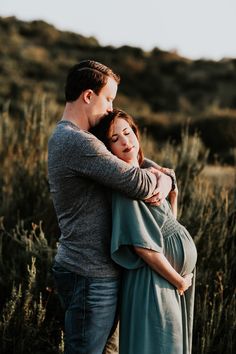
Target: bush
{"points": [[218, 131], [31, 319]]}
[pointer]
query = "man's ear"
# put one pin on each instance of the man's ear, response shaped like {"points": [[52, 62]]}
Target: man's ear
{"points": [[87, 94]]}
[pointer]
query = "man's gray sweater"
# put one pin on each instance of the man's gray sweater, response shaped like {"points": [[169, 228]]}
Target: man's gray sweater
{"points": [[82, 174]]}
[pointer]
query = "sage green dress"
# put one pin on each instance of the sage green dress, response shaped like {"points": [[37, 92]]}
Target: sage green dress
{"points": [[154, 318]]}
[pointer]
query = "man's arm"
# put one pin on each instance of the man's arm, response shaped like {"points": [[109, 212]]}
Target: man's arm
{"points": [[147, 163], [87, 156]]}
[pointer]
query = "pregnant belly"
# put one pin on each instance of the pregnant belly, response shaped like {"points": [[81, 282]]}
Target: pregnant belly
{"points": [[181, 252]]}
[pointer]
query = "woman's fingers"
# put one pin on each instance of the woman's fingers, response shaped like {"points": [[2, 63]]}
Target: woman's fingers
{"points": [[187, 283]]}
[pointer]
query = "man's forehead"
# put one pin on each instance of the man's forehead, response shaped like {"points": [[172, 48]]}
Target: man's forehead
{"points": [[111, 86]]}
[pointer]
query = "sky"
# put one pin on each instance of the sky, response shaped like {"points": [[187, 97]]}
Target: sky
{"points": [[194, 28]]}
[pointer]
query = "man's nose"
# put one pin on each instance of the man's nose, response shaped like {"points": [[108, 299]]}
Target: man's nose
{"points": [[110, 108]]}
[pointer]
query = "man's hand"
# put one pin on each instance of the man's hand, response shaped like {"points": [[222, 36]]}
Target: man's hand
{"points": [[170, 172], [164, 184]]}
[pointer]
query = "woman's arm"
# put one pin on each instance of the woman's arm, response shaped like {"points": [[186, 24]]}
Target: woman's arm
{"points": [[173, 195], [159, 263], [173, 198]]}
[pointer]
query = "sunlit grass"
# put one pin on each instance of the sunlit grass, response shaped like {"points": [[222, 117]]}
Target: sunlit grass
{"points": [[30, 317]]}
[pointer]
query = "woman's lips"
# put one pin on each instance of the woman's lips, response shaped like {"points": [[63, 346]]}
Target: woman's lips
{"points": [[128, 149]]}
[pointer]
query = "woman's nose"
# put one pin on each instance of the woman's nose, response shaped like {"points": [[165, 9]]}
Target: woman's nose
{"points": [[124, 140]]}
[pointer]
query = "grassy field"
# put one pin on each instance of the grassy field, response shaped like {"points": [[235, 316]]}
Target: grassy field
{"points": [[221, 175], [31, 320]]}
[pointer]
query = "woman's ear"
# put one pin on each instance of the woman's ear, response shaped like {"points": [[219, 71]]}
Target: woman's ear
{"points": [[87, 94]]}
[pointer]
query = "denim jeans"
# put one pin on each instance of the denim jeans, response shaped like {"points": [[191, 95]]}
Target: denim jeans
{"points": [[90, 306]]}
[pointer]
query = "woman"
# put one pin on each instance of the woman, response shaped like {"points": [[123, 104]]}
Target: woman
{"points": [[157, 254]]}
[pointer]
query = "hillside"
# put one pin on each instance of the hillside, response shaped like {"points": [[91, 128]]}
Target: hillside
{"points": [[161, 88]]}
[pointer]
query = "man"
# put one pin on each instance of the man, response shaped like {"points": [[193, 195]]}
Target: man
{"points": [[81, 173]]}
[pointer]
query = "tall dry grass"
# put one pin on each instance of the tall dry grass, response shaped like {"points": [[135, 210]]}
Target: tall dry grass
{"points": [[30, 319]]}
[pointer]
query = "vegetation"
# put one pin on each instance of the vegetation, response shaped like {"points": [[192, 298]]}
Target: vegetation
{"points": [[162, 89], [159, 88], [31, 318]]}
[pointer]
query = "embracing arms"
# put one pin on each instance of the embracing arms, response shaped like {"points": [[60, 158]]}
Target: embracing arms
{"points": [[88, 157], [172, 193]]}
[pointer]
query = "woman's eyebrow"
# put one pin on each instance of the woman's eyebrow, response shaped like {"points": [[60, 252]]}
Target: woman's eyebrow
{"points": [[125, 129]]}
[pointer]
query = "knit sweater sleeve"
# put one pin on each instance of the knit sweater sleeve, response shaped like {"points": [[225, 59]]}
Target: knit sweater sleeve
{"points": [[87, 156]]}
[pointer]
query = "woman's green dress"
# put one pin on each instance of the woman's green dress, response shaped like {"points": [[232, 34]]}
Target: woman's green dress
{"points": [[154, 318]]}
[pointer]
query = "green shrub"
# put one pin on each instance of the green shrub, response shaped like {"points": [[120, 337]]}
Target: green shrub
{"points": [[218, 131], [31, 319]]}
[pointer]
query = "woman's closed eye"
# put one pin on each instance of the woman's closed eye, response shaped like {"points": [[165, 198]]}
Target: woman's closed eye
{"points": [[114, 139]]}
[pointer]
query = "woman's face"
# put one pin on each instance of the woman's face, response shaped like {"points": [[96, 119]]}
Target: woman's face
{"points": [[123, 141]]}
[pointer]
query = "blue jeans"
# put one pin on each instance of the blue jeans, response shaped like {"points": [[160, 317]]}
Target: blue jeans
{"points": [[90, 306]]}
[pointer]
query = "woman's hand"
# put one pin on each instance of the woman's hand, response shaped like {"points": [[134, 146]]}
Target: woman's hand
{"points": [[160, 264], [186, 283]]}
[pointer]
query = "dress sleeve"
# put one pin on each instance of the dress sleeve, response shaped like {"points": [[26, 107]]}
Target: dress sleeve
{"points": [[134, 223]]}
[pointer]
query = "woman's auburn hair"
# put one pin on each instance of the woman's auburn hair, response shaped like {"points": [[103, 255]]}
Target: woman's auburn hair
{"points": [[103, 130]]}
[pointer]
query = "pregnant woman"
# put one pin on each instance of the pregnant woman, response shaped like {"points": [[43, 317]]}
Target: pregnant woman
{"points": [[157, 254]]}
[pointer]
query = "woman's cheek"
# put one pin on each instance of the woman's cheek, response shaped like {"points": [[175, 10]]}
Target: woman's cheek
{"points": [[114, 150]]}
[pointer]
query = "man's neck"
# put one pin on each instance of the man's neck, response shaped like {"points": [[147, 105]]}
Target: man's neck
{"points": [[75, 116]]}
